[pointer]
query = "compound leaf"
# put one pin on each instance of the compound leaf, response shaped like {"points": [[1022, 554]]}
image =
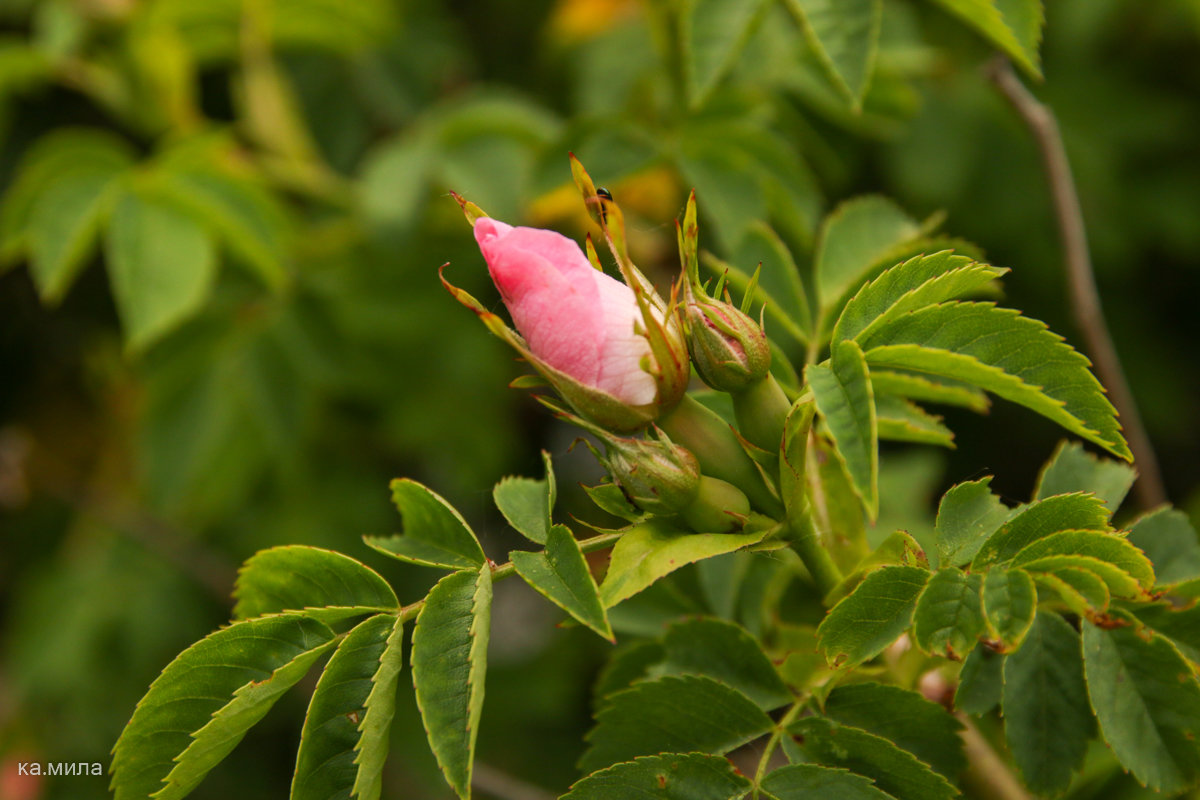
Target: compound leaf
{"points": [[1002, 352]]}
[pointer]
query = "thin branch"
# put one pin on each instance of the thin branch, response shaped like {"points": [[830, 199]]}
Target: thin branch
{"points": [[987, 775], [1081, 282]]}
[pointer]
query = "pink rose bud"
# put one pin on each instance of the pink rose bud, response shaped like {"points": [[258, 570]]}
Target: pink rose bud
{"points": [[574, 317], [583, 330]]}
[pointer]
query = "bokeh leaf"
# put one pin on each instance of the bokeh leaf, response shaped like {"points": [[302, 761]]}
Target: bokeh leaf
{"points": [[845, 36], [161, 264]]}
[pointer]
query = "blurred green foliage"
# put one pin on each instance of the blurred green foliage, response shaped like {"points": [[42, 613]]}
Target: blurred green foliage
{"points": [[221, 327]]}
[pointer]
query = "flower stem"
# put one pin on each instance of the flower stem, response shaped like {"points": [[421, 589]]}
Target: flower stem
{"points": [[761, 409], [721, 455], [807, 544], [776, 735]]}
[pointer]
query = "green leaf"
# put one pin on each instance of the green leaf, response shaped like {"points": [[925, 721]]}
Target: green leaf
{"points": [[527, 503], [1119, 582], [1047, 719], [1147, 701], [690, 713], [901, 421], [981, 681], [922, 387], [561, 574], [780, 288], [903, 717], [50, 157], [1109, 547], [345, 738], [919, 282], [998, 350], [949, 615], [628, 663], [808, 781], [1181, 626], [725, 652], [842, 390], [1009, 605], [1168, 538], [714, 32], [205, 700], [449, 661], [1081, 589], [853, 239], [609, 498], [872, 616], [1015, 26], [654, 549], [243, 214], [693, 776], [897, 548], [435, 534], [841, 516], [322, 584], [64, 223], [1073, 469], [968, 514], [845, 36], [1063, 512], [895, 771], [161, 264]]}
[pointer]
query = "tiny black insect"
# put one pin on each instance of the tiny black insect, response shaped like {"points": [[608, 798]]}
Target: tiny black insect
{"points": [[605, 193]]}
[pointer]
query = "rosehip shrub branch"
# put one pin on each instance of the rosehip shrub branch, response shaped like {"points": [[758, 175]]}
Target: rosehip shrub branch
{"points": [[824, 655]]}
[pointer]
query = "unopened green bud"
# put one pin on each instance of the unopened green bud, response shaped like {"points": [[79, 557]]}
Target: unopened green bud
{"points": [[654, 474], [729, 348]]}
